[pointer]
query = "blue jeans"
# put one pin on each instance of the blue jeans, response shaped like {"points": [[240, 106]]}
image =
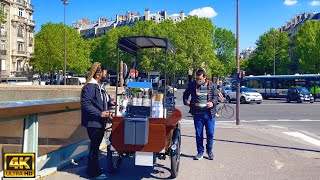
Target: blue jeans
{"points": [[201, 120]]}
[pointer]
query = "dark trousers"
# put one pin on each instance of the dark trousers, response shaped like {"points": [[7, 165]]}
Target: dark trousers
{"points": [[200, 121], [95, 136]]}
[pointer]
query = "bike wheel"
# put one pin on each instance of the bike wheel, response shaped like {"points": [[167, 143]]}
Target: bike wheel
{"points": [[175, 159], [227, 111]]}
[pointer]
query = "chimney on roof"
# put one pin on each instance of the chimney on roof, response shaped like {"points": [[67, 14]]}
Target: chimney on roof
{"points": [[164, 14], [85, 21], [117, 19], [182, 15], [147, 14], [102, 20]]}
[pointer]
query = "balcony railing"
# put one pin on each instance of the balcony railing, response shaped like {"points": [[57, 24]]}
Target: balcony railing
{"points": [[21, 52], [3, 52], [19, 19], [31, 22]]}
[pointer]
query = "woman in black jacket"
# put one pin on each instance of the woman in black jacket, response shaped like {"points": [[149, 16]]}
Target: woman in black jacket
{"points": [[95, 105]]}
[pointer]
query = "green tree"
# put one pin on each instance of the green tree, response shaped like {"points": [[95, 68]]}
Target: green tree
{"points": [[105, 48], [2, 15], [272, 47], [49, 49], [192, 39], [225, 46], [195, 44], [307, 47]]}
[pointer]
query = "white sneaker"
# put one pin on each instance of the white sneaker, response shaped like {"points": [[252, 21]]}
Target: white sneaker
{"points": [[217, 115]]}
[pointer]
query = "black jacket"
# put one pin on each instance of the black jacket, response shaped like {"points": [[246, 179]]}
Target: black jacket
{"points": [[94, 100], [212, 96]]}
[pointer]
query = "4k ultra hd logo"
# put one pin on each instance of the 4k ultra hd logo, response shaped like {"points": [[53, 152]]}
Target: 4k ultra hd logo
{"points": [[19, 165]]}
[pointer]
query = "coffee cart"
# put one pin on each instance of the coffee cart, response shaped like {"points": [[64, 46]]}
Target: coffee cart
{"points": [[147, 125]]}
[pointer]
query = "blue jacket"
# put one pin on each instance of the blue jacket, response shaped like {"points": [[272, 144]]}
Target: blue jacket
{"points": [[191, 90], [94, 100]]}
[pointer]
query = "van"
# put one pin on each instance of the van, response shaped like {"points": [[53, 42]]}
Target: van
{"points": [[77, 80]]}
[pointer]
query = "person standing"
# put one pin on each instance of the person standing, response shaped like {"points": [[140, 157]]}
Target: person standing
{"points": [[203, 108], [95, 105]]}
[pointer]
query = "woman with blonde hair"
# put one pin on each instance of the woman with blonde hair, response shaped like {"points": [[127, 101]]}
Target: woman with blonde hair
{"points": [[95, 105]]}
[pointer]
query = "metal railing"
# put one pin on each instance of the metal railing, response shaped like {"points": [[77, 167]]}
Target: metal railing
{"points": [[31, 22], [3, 52]]}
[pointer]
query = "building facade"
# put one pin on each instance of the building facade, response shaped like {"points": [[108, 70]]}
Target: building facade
{"points": [[293, 26], [247, 53], [17, 37], [98, 28]]}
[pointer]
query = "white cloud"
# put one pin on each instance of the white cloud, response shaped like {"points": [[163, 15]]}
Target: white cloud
{"points": [[290, 2], [315, 3], [207, 12]]}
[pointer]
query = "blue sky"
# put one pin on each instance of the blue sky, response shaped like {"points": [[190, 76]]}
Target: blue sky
{"points": [[256, 16]]}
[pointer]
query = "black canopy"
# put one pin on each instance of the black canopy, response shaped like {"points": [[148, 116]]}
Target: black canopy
{"points": [[132, 44]]}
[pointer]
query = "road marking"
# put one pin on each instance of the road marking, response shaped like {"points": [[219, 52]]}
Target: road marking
{"points": [[276, 120], [303, 137], [287, 104], [278, 164], [280, 127], [190, 122]]}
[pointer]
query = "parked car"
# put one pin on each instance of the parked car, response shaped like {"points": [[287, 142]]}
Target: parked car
{"points": [[247, 95], [299, 94]]}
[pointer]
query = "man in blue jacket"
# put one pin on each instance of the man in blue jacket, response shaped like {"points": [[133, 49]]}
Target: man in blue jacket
{"points": [[95, 105], [204, 98]]}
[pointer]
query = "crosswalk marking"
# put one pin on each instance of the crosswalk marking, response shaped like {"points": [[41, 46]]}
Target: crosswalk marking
{"points": [[303, 137]]}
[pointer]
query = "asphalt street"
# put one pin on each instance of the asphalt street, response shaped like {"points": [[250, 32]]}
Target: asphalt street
{"points": [[304, 117]]}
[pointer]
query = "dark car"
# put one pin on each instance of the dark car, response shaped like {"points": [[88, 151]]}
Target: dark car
{"points": [[299, 94]]}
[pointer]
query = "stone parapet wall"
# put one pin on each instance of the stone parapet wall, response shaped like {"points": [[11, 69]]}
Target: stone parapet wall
{"points": [[37, 92]]}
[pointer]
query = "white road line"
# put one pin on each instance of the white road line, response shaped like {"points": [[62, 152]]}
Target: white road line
{"points": [[190, 122], [303, 137], [280, 127], [277, 120], [287, 104]]}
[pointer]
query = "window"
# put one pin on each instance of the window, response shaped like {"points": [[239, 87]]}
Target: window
{"points": [[19, 65], [20, 12], [3, 64], [20, 46], [20, 33], [3, 9], [3, 45], [19, 1], [3, 29]]}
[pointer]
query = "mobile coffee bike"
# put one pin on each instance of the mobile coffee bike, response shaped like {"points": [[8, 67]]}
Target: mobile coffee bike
{"points": [[147, 125]]}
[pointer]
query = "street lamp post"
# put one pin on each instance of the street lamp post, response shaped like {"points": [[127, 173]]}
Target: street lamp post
{"points": [[274, 55], [238, 67], [65, 3]]}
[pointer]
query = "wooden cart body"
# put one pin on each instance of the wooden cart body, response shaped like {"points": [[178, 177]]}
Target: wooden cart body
{"points": [[160, 133]]}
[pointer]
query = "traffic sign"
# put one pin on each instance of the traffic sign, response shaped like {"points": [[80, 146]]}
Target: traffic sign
{"points": [[134, 73]]}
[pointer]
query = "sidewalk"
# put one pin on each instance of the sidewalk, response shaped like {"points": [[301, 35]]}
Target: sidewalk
{"points": [[241, 152]]}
